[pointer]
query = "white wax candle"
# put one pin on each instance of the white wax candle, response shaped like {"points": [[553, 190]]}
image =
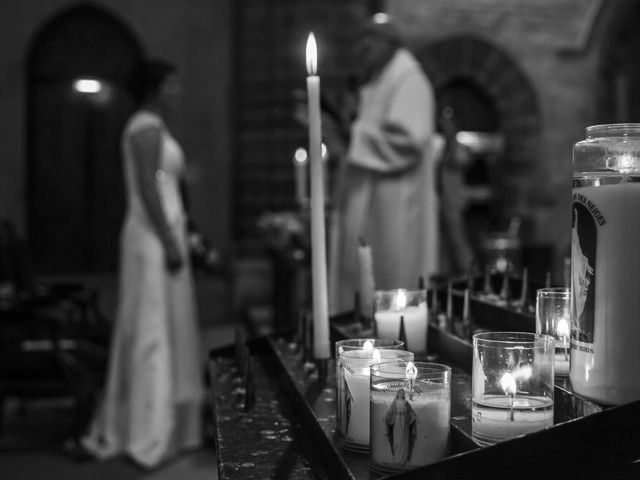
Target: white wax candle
{"points": [[354, 404], [300, 162], [321, 345], [356, 409], [366, 280], [432, 410], [415, 325], [491, 417], [607, 369], [388, 324], [561, 362]]}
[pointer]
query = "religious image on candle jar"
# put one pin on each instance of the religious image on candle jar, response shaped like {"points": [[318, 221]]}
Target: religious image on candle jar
{"points": [[583, 258], [354, 402], [410, 414], [344, 398], [400, 420], [512, 385]]}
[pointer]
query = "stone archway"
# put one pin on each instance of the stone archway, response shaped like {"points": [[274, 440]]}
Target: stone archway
{"points": [[511, 98], [495, 73], [74, 180]]}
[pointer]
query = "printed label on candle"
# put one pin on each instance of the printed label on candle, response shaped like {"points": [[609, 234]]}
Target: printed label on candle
{"points": [[584, 239], [605, 360], [356, 408], [408, 430]]}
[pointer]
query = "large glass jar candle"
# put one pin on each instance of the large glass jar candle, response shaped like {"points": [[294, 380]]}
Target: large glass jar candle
{"points": [[605, 264]]}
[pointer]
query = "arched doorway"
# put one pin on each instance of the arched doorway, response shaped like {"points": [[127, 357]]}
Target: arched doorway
{"points": [[496, 105], [74, 179]]}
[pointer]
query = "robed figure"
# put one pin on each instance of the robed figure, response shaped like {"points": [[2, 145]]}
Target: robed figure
{"points": [[388, 196]]}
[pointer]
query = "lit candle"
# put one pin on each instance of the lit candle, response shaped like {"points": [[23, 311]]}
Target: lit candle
{"points": [[300, 162], [499, 418], [562, 347], [355, 392], [409, 416], [415, 318], [321, 346]]}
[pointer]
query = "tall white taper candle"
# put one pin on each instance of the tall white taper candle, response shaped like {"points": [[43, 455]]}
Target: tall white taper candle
{"points": [[321, 347]]}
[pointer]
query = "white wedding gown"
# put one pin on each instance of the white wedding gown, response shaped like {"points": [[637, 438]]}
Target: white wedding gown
{"points": [[151, 407]]}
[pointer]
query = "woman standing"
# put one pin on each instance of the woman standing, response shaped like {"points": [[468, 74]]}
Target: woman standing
{"points": [[152, 403]]}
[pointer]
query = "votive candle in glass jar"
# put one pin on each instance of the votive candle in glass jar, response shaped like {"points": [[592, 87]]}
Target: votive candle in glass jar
{"points": [[366, 345], [355, 393], [512, 385], [410, 414], [553, 317], [411, 305]]}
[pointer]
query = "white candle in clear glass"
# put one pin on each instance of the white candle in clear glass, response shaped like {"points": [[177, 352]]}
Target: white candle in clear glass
{"points": [[355, 393], [409, 304], [410, 419], [553, 318], [512, 385], [562, 354], [367, 346], [493, 422]]}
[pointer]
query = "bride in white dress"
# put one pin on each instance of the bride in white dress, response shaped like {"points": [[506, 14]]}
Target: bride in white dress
{"points": [[151, 407]]}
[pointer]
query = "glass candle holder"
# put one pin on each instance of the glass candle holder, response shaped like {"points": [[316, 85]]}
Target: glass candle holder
{"points": [[410, 414], [355, 393], [411, 305], [512, 385], [364, 344], [553, 317]]}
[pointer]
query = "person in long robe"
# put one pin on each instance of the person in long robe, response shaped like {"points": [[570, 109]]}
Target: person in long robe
{"points": [[388, 196], [400, 421], [151, 406]]}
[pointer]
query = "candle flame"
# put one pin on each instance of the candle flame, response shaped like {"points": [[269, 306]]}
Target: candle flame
{"points": [[508, 384], [312, 54], [368, 347], [300, 156], [324, 151], [562, 329], [401, 300], [411, 372]]}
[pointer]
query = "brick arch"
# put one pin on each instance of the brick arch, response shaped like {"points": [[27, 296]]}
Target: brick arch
{"points": [[498, 76]]}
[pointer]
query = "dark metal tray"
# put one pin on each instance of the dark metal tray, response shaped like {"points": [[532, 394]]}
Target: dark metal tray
{"points": [[289, 432]]}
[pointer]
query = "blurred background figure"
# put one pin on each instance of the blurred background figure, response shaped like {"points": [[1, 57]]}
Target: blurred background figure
{"points": [[457, 254], [389, 195], [151, 407]]}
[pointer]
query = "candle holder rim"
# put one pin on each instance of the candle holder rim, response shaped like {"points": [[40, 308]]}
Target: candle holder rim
{"points": [[359, 342], [383, 291], [526, 339], [358, 354], [437, 369], [554, 292]]}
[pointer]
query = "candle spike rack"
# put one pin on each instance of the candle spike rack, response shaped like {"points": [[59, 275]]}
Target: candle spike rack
{"points": [[290, 430]]}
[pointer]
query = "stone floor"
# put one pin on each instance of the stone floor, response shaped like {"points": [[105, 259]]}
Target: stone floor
{"points": [[31, 437]]}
